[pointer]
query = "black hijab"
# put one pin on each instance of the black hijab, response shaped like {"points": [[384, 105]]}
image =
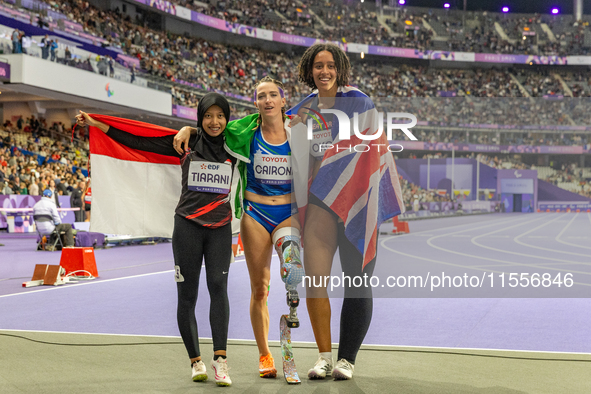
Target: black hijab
{"points": [[205, 141], [207, 101]]}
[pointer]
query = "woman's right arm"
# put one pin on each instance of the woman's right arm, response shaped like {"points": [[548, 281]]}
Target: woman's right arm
{"points": [[160, 145], [84, 120]]}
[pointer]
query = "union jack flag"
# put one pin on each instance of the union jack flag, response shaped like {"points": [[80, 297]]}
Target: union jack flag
{"points": [[359, 184]]}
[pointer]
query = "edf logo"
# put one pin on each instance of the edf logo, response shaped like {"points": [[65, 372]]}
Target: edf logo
{"points": [[210, 166], [345, 124]]}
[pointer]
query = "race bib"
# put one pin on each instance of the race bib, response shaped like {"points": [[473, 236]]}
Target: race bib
{"points": [[272, 169], [209, 177]]}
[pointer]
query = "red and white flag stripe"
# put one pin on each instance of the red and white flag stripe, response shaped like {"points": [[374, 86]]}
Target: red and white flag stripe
{"points": [[133, 192]]}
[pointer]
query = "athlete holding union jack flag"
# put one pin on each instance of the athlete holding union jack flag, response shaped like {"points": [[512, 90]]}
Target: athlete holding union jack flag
{"points": [[346, 188]]}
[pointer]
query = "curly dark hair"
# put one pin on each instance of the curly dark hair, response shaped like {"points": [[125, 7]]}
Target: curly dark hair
{"points": [[280, 85], [340, 59]]}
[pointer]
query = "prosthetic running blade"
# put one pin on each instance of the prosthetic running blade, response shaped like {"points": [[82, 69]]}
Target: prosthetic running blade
{"points": [[289, 368]]}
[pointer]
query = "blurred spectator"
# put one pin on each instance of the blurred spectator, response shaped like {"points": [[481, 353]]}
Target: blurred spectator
{"points": [[45, 47], [77, 202], [15, 41], [110, 61], [53, 48]]}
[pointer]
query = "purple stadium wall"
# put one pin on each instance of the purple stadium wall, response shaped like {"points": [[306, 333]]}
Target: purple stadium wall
{"points": [[415, 171], [550, 192]]}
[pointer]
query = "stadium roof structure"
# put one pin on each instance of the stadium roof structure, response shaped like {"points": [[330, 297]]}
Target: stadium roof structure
{"points": [[42, 100]]}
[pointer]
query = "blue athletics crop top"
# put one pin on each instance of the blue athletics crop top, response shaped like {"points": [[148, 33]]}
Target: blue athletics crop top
{"points": [[269, 172]]}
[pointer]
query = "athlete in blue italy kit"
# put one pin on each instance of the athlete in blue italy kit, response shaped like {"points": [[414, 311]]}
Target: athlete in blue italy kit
{"points": [[268, 221], [269, 173]]}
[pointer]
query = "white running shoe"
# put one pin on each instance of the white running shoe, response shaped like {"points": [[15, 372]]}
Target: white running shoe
{"points": [[220, 369], [343, 370], [199, 372], [321, 369]]}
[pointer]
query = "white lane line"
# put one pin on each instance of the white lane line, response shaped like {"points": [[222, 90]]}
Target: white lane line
{"points": [[564, 229], [473, 240], [66, 286], [414, 256], [425, 233], [393, 237], [492, 265], [516, 239], [85, 283], [430, 243], [474, 267]]}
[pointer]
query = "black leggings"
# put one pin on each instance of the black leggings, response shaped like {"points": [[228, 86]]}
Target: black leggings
{"points": [[357, 307], [190, 244]]}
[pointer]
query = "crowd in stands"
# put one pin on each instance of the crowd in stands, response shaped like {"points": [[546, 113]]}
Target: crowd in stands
{"points": [[358, 22], [176, 58], [502, 138], [34, 157], [558, 174], [412, 193], [499, 163], [577, 177], [565, 175], [171, 58]]}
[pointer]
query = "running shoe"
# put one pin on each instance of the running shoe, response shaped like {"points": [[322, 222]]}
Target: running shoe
{"points": [[220, 368], [321, 369], [267, 367], [343, 370], [198, 371]]}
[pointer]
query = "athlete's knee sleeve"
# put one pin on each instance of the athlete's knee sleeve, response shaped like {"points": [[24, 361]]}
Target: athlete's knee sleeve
{"points": [[287, 245]]}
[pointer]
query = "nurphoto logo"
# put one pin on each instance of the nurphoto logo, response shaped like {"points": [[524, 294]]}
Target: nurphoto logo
{"points": [[345, 127]]}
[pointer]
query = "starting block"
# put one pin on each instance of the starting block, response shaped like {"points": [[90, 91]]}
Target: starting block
{"points": [[79, 261], [238, 248], [45, 274]]}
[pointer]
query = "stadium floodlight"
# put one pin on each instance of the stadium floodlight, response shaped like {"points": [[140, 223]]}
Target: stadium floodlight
{"points": [[555, 11], [402, 2], [505, 9], [446, 5]]}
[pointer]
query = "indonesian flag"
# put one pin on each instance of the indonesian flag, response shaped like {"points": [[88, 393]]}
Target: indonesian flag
{"points": [[133, 192]]}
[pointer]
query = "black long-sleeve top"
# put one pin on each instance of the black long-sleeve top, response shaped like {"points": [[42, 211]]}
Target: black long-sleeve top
{"points": [[202, 199]]}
